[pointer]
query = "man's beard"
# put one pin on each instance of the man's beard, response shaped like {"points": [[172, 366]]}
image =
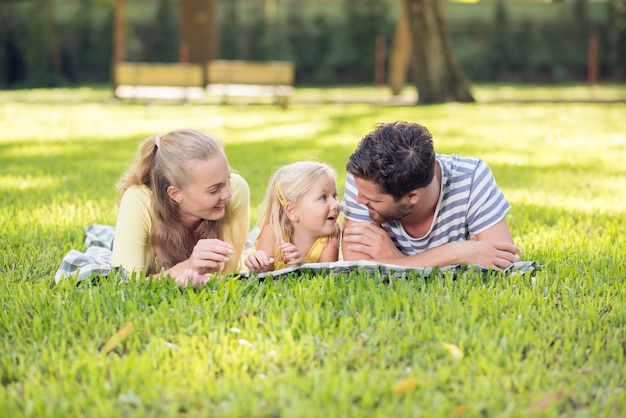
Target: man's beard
{"points": [[399, 211]]}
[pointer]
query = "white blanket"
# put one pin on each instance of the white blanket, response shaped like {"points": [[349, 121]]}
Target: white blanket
{"points": [[345, 267], [95, 260]]}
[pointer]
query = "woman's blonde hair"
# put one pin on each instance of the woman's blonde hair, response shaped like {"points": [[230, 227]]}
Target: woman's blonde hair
{"points": [[288, 184], [162, 161]]}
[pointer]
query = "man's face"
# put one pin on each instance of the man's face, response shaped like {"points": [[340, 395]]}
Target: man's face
{"points": [[381, 207]]}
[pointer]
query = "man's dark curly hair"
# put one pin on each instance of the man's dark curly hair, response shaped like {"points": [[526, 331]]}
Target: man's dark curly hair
{"points": [[399, 157]]}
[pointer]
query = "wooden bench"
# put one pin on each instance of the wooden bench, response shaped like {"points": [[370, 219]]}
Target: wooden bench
{"points": [[227, 78], [224, 79], [159, 80]]}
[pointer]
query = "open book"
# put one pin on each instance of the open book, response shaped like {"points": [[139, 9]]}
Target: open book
{"points": [[345, 267]]}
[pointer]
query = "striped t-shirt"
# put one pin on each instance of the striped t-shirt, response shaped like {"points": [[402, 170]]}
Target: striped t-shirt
{"points": [[469, 203]]}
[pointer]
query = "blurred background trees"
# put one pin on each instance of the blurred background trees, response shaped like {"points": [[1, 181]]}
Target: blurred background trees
{"points": [[67, 42], [435, 69]]}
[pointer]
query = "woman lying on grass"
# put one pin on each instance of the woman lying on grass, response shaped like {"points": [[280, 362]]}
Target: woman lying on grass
{"points": [[299, 219], [182, 212]]}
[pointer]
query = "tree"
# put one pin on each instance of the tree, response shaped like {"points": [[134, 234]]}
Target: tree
{"points": [[400, 54], [499, 61], [364, 23], [617, 37], [163, 44], [119, 36], [435, 70], [198, 29]]}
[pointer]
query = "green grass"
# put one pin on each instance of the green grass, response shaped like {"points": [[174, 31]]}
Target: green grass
{"points": [[553, 344]]}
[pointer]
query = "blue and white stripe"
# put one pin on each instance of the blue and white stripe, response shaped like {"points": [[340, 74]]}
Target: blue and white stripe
{"points": [[469, 203]]}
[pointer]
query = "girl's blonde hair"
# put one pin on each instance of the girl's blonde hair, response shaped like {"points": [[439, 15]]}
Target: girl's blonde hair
{"points": [[162, 161], [288, 184]]}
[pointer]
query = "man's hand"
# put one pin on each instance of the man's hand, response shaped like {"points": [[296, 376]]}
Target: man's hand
{"points": [[366, 240], [490, 254]]}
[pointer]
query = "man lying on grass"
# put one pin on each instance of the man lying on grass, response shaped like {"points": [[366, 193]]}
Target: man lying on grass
{"points": [[406, 205]]}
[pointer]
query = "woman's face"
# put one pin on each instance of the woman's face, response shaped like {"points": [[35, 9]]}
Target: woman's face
{"points": [[208, 192]]}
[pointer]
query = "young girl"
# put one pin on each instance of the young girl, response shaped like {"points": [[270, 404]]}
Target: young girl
{"points": [[183, 212], [299, 218]]}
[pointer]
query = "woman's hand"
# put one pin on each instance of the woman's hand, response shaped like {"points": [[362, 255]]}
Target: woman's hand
{"points": [[258, 260], [209, 255], [291, 255], [193, 278]]}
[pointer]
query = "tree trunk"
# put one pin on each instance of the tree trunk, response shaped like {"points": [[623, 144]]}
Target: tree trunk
{"points": [[438, 76], [400, 54], [198, 30], [54, 41], [119, 37]]}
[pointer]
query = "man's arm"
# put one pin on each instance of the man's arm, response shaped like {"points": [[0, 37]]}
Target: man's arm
{"points": [[491, 248], [499, 232]]}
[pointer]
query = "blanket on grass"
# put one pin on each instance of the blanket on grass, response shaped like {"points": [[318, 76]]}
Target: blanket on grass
{"points": [[345, 267], [96, 260]]}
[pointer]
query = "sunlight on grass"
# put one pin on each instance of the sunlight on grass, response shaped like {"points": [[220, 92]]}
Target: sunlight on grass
{"points": [[43, 122], [283, 129], [586, 197], [27, 182], [580, 92]]}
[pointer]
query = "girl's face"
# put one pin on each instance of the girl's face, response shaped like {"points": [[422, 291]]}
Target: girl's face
{"points": [[208, 192], [318, 209]]}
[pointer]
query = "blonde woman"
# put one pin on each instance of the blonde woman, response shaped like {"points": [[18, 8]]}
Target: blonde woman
{"points": [[183, 212], [299, 219]]}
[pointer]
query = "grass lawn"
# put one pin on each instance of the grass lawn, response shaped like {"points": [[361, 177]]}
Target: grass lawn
{"points": [[552, 344]]}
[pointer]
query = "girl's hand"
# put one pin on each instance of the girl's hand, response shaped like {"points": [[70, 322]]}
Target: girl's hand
{"points": [[209, 255], [291, 255], [258, 260]]}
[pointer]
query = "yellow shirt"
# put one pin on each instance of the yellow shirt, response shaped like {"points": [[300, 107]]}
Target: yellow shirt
{"points": [[314, 255], [132, 248]]}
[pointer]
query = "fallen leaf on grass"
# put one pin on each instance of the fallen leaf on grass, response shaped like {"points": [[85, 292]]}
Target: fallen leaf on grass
{"points": [[459, 409], [454, 351], [546, 400], [405, 385], [118, 337]]}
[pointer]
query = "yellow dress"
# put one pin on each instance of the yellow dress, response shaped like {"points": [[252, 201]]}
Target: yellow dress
{"points": [[314, 255]]}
